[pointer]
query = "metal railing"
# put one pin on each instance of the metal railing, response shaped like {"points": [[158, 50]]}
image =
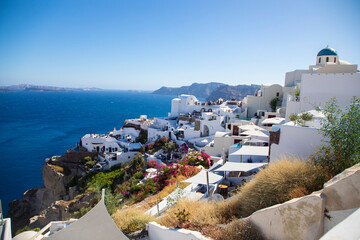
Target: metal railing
{"points": [[1, 215]]}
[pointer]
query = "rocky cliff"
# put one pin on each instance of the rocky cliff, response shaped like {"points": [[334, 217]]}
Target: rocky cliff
{"points": [[233, 92], [211, 91], [200, 90], [57, 174]]}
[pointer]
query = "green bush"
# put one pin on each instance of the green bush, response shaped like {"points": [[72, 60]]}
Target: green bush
{"points": [[138, 175], [108, 179], [341, 130], [26, 228]]}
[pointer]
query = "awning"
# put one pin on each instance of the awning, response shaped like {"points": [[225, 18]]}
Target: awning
{"points": [[96, 224], [274, 121], [252, 150], [200, 178], [254, 140], [240, 167], [256, 133]]}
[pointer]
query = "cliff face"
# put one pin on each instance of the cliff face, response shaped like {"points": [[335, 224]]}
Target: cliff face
{"points": [[233, 92], [62, 210], [201, 90], [211, 91], [56, 176]]}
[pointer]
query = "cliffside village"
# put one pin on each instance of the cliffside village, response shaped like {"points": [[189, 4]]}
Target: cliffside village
{"points": [[240, 136], [256, 129]]}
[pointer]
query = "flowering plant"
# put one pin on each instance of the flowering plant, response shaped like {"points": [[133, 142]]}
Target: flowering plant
{"points": [[196, 158], [152, 164]]}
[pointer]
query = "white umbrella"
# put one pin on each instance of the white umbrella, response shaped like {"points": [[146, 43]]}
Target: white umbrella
{"points": [[200, 178]]}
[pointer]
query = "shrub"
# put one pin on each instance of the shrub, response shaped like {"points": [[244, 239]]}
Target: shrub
{"points": [[168, 174], [26, 228], [341, 128], [106, 179], [201, 213], [82, 211], [196, 158], [273, 103], [301, 118], [240, 229], [131, 219], [152, 164], [138, 175], [276, 183]]}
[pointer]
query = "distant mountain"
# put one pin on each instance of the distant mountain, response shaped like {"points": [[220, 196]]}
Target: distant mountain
{"points": [[233, 92], [211, 91], [37, 88], [201, 90]]}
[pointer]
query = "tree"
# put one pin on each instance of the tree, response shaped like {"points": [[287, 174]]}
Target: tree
{"points": [[273, 103], [170, 147], [341, 129]]}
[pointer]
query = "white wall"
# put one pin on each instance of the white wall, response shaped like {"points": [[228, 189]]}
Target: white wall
{"points": [[158, 232], [318, 89], [295, 141]]}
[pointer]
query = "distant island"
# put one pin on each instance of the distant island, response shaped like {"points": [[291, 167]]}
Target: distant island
{"points": [[38, 88], [211, 91]]}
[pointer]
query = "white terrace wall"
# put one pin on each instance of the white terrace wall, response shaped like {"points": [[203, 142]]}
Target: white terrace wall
{"points": [[158, 232], [300, 218], [305, 218], [297, 142]]}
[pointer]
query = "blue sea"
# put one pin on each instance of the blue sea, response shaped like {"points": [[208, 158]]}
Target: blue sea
{"points": [[38, 125]]}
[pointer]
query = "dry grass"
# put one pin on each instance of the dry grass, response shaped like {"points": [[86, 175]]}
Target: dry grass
{"points": [[167, 190], [131, 219], [278, 183], [239, 229], [57, 168], [201, 213]]}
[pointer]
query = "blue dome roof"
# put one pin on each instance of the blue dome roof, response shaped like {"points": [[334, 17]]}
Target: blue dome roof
{"points": [[327, 51]]}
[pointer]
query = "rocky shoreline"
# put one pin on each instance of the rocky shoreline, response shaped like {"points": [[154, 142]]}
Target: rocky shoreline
{"points": [[57, 199]]}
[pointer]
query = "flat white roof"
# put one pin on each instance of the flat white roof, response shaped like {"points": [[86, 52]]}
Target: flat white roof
{"points": [[252, 150], [243, 167], [200, 178]]}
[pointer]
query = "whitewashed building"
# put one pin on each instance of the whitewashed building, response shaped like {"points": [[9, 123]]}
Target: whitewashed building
{"points": [[329, 77]]}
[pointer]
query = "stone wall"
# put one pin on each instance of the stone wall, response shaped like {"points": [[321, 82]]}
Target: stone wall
{"points": [[311, 216]]}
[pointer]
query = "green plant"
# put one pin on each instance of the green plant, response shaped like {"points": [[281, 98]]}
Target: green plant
{"points": [[297, 95], [273, 103], [26, 228], [82, 211], [170, 147], [301, 118], [341, 130], [138, 175], [182, 216]]}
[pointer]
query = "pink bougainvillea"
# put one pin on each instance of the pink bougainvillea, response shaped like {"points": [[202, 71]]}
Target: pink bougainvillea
{"points": [[151, 164], [197, 158]]}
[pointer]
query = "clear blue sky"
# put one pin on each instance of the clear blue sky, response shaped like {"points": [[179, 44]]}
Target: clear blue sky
{"points": [[148, 44]]}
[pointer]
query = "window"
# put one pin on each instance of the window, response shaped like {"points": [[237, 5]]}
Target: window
{"points": [[277, 94], [319, 59], [334, 59], [327, 59]]}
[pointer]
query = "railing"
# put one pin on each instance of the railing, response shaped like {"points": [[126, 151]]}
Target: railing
{"points": [[1, 215]]}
